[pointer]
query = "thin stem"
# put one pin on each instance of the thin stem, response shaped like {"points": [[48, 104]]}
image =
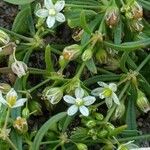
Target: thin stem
{"points": [[143, 63], [99, 104], [6, 120], [82, 6], [11, 144], [50, 142], [80, 70], [39, 85], [67, 122]]}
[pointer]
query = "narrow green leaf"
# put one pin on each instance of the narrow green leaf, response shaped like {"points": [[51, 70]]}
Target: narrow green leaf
{"points": [[91, 66], [118, 33], [47, 125], [129, 46], [123, 62], [131, 110], [19, 2], [83, 23]]}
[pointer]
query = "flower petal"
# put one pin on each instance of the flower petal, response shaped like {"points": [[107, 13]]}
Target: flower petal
{"points": [[2, 100], [89, 100], [11, 93], [84, 111], [72, 110], [115, 99], [42, 13], [102, 84], [109, 102], [20, 102], [69, 99], [48, 4], [113, 87], [79, 92], [59, 5], [60, 17], [50, 21], [97, 91]]}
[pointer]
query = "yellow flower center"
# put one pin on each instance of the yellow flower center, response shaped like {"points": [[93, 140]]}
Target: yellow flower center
{"points": [[12, 100], [107, 92], [79, 102], [52, 12]]}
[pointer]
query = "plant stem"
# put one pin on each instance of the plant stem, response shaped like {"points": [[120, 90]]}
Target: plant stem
{"points": [[82, 6], [50, 142], [80, 71], [143, 63], [6, 120], [39, 85], [11, 144], [67, 122]]}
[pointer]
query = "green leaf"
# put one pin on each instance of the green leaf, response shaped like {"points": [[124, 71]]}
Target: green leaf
{"points": [[20, 24], [48, 59], [129, 46], [83, 23], [91, 66], [123, 62], [118, 33], [43, 130], [19, 2], [131, 110]]}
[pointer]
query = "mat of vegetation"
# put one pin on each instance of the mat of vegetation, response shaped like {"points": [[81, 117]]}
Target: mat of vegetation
{"points": [[74, 74]]}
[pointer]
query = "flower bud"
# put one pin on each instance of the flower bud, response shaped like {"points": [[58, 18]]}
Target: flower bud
{"points": [[91, 123], [99, 116], [112, 16], [81, 146], [35, 108], [72, 52], [101, 56], [119, 112], [4, 38], [142, 102], [87, 54], [103, 133], [93, 134], [62, 62], [5, 88], [53, 95], [21, 125], [77, 35], [19, 68], [137, 11], [25, 113], [136, 25]]}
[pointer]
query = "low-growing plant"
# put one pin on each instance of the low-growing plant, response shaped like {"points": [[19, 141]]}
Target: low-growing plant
{"points": [[89, 90]]}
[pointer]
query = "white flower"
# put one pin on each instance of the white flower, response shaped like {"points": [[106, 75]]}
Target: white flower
{"points": [[107, 91], [19, 68], [52, 12], [11, 99], [79, 103]]}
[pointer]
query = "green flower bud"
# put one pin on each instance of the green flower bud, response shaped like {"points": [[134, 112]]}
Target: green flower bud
{"points": [[4, 38], [136, 25], [99, 116], [72, 52], [103, 133], [93, 134], [110, 127], [87, 54], [25, 113], [35, 107], [53, 95], [5, 88], [101, 56], [81, 146], [91, 123], [62, 62], [142, 102], [20, 124], [77, 35]]}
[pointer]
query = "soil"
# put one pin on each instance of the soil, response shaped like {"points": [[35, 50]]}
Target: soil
{"points": [[7, 15]]}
